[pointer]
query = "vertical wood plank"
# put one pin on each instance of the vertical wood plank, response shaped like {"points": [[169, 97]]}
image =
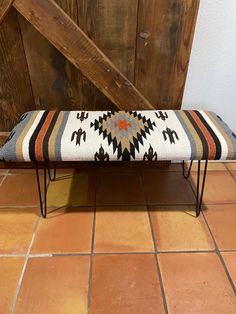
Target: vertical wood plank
{"points": [[5, 6], [15, 88], [112, 26], [115, 33], [55, 81], [164, 41]]}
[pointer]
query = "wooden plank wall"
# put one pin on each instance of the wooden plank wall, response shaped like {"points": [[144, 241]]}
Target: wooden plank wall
{"points": [[148, 40], [164, 41], [15, 88]]}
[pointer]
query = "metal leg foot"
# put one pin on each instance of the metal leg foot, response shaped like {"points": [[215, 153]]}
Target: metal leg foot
{"points": [[200, 191]]}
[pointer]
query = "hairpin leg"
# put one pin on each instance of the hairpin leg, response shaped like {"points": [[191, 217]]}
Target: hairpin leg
{"points": [[43, 202], [200, 191], [189, 169], [52, 177]]}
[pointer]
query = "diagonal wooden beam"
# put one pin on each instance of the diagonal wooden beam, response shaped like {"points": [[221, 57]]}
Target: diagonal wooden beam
{"points": [[54, 24], [5, 6]]}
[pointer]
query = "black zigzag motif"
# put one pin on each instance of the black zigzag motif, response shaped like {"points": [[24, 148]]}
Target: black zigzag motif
{"points": [[125, 131]]}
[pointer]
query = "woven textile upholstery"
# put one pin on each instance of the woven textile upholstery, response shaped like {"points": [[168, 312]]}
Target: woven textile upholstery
{"points": [[119, 135]]}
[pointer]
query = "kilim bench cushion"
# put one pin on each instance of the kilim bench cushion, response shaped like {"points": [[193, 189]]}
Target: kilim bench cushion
{"points": [[119, 135]]}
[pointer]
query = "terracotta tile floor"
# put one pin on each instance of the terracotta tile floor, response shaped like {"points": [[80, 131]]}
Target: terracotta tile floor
{"points": [[123, 240]]}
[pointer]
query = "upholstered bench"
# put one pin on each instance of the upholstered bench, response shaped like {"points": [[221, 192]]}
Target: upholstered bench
{"points": [[118, 135]]}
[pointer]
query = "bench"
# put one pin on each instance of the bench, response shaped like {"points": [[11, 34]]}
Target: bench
{"points": [[52, 136]]}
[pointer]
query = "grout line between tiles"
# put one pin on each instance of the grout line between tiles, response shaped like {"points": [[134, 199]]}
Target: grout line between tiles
{"points": [[217, 251], [231, 174], [111, 205], [45, 255], [186, 251], [23, 269], [3, 179], [226, 165], [226, 251], [92, 246], [12, 255], [155, 249], [159, 252]]}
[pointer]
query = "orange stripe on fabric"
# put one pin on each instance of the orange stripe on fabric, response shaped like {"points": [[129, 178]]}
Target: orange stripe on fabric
{"points": [[207, 135], [41, 135]]}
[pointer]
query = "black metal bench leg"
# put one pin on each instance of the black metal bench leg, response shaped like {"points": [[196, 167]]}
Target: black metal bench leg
{"points": [[43, 202], [52, 177], [200, 190], [189, 169]]}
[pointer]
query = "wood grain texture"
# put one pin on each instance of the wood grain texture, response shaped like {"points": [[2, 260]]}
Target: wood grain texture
{"points": [[15, 88], [55, 81], [112, 26], [115, 32], [68, 38], [164, 40], [5, 6]]}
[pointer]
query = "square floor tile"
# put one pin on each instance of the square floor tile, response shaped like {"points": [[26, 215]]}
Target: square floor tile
{"points": [[196, 283], [161, 166], [59, 171], [122, 229], [54, 285], [125, 284], [10, 271], [72, 190], [231, 165], [16, 229], [176, 228], [222, 222], [18, 190], [3, 172], [167, 188], [230, 262], [211, 166], [65, 232], [173, 167], [220, 187], [1, 179], [24, 171], [234, 174], [116, 167], [119, 188]]}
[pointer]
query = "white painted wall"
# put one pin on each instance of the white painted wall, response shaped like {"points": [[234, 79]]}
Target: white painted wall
{"points": [[211, 80]]}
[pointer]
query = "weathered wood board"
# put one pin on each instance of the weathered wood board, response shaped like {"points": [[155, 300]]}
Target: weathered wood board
{"points": [[148, 40], [5, 6], [112, 26], [54, 24], [55, 81], [164, 40], [15, 88]]}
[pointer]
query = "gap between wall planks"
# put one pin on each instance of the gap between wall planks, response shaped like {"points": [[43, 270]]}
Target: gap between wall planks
{"points": [[165, 34], [5, 6], [15, 89], [51, 21], [56, 83], [112, 24]]}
